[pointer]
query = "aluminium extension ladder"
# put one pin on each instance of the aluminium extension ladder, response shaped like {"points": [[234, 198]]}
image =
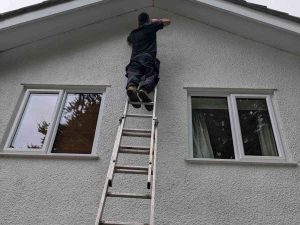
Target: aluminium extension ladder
{"points": [[114, 167]]}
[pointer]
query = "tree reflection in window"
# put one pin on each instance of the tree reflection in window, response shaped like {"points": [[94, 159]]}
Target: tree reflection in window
{"points": [[76, 130], [42, 129], [257, 133]]}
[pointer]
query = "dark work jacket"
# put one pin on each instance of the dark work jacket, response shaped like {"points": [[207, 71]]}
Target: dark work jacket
{"points": [[143, 39]]}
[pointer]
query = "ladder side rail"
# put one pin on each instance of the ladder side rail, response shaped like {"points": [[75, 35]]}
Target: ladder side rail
{"points": [[111, 166], [118, 140], [154, 123], [102, 203], [151, 156], [153, 181]]}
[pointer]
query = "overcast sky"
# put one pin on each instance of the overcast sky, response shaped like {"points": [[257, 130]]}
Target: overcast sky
{"points": [[290, 6]]}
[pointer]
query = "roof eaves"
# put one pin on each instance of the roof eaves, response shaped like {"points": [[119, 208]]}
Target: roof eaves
{"points": [[31, 8], [265, 9]]}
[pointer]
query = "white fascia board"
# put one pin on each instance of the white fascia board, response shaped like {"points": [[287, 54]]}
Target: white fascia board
{"points": [[253, 14]]}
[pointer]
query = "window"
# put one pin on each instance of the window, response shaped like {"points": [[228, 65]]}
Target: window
{"points": [[226, 125], [212, 137], [56, 121]]}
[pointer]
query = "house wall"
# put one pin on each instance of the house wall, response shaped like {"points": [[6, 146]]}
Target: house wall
{"points": [[67, 191]]}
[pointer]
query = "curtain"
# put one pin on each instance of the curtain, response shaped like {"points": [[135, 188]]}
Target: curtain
{"points": [[201, 143], [266, 139]]}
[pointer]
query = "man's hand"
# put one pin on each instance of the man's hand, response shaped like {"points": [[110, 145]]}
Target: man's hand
{"points": [[164, 21]]}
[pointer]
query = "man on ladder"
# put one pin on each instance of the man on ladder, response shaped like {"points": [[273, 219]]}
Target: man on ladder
{"points": [[142, 73], [143, 70]]}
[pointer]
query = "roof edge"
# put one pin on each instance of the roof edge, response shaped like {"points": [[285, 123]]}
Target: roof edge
{"points": [[31, 8], [265, 9], [248, 23], [251, 14], [46, 12]]}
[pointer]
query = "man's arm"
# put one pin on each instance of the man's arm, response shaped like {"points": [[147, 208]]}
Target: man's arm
{"points": [[164, 21]]}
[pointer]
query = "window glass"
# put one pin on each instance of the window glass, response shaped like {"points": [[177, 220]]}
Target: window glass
{"points": [[34, 123], [212, 137], [257, 133], [76, 129]]}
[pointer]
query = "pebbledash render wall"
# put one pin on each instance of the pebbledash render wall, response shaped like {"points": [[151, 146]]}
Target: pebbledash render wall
{"points": [[67, 191]]}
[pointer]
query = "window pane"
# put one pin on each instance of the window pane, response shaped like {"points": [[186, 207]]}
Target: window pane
{"points": [[35, 121], [77, 125], [257, 133], [212, 136]]}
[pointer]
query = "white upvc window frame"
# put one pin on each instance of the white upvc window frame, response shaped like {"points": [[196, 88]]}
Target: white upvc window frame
{"points": [[58, 109], [232, 95], [19, 116], [241, 153]]}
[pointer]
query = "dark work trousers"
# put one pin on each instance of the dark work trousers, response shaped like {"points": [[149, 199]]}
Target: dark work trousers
{"points": [[143, 72]]}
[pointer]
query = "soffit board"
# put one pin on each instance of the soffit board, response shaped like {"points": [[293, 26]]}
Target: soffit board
{"points": [[252, 24], [36, 25]]}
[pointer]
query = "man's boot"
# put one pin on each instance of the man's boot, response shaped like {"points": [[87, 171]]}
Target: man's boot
{"points": [[145, 98], [132, 94]]}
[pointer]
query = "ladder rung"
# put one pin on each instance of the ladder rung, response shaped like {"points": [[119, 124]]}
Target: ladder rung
{"points": [[143, 103], [132, 134], [139, 115], [127, 167], [128, 195], [136, 130], [131, 147], [121, 223], [140, 152], [131, 171], [143, 150]]}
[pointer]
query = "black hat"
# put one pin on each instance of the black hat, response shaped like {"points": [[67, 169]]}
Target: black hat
{"points": [[143, 18]]}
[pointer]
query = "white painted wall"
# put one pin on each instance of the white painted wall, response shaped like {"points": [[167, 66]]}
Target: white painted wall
{"points": [[64, 191]]}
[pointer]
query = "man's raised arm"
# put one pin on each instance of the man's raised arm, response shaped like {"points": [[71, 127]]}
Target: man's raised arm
{"points": [[164, 21]]}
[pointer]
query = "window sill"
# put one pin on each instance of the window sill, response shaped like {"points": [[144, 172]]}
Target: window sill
{"points": [[240, 162], [47, 156]]}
